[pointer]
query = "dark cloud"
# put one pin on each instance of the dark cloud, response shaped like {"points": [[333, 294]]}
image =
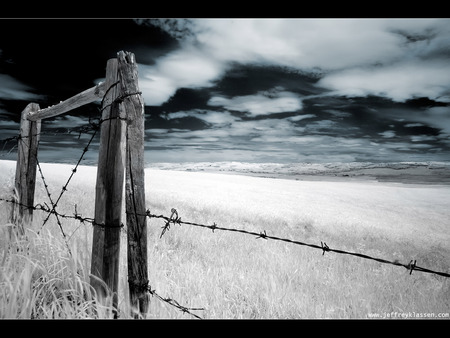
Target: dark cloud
{"points": [[242, 80], [61, 57], [242, 91]]}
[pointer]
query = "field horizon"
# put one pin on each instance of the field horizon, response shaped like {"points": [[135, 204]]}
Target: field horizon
{"points": [[235, 276]]}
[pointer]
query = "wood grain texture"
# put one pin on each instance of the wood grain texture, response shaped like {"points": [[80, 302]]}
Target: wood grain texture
{"points": [[133, 104], [90, 95], [109, 191], [25, 180]]}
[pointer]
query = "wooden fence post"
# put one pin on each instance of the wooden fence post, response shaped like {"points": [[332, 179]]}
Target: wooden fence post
{"points": [[133, 104], [25, 181], [109, 192]]}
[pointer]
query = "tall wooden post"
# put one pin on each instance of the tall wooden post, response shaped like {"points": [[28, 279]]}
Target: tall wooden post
{"points": [[109, 192], [133, 104], [25, 181]]}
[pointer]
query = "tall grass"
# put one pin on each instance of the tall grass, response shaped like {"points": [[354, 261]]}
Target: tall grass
{"points": [[40, 280], [230, 275]]}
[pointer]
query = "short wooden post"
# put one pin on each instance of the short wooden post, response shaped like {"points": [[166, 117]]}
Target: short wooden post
{"points": [[25, 181], [109, 192], [133, 104]]}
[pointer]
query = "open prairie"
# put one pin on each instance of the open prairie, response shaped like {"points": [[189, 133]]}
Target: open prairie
{"points": [[233, 275]]}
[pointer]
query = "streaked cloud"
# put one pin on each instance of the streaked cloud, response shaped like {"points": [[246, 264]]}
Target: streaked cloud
{"points": [[412, 125], [12, 89], [395, 58], [260, 103], [399, 81], [211, 117], [387, 134], [185, 68], [279, 90]]}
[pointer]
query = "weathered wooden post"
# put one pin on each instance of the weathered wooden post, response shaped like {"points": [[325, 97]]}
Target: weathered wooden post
{"points": [[109, 192], [25, 181], [133, 104]]}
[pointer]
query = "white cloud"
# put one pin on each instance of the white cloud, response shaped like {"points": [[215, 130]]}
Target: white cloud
{"points": [[260, 104], [157, 131], [301, 117], [400, 81], [395, 58], [422, 138], [298, 43], [411, 125], [387, 134], [212, 117], [12, 89], [308, 43], [184, 68]]}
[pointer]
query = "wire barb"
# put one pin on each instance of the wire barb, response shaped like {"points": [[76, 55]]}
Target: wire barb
{"points": [[411, 266], [169, 220], [262, 235], [324, 247]]}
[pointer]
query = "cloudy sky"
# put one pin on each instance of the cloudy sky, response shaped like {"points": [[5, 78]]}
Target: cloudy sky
{"points": [[253, 90]]}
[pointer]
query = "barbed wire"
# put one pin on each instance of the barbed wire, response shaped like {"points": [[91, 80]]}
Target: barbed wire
{"points": [[51, 210], [175, 304], [46, 208], [91, 126], [76, 216], [83, 129], [64, 188], [411, 266], [172, 220], [145, 286], [175, 219]]}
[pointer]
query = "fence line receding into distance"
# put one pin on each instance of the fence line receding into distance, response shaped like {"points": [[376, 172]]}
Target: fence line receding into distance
{"points": [[120, 172]]}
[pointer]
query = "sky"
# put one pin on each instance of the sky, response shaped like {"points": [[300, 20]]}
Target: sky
{"points": [[281, 90]]}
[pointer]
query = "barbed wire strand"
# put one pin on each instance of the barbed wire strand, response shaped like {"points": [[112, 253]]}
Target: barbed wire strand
{"points": [[21, 139], [77, 216], [174, 303], [47, 209], [411, 266], [82, 220], [145, 286], [52, 210], [174, 217]]}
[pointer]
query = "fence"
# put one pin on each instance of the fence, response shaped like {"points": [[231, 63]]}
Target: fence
{"points": [[175, 219], [121, 159]]}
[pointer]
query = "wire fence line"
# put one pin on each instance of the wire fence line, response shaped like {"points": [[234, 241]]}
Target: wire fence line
{"points": [[145, 286], [51, 209], [83, 129], [175, 219]]}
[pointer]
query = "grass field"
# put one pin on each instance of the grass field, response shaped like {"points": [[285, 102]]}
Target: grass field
{"points": [[232, 275]]}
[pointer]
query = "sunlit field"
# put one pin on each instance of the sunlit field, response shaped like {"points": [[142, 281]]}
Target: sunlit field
{"points": [[232, 275]]}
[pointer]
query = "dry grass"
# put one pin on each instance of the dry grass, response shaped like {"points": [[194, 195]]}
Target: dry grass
{"points": [[230, 275]]}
